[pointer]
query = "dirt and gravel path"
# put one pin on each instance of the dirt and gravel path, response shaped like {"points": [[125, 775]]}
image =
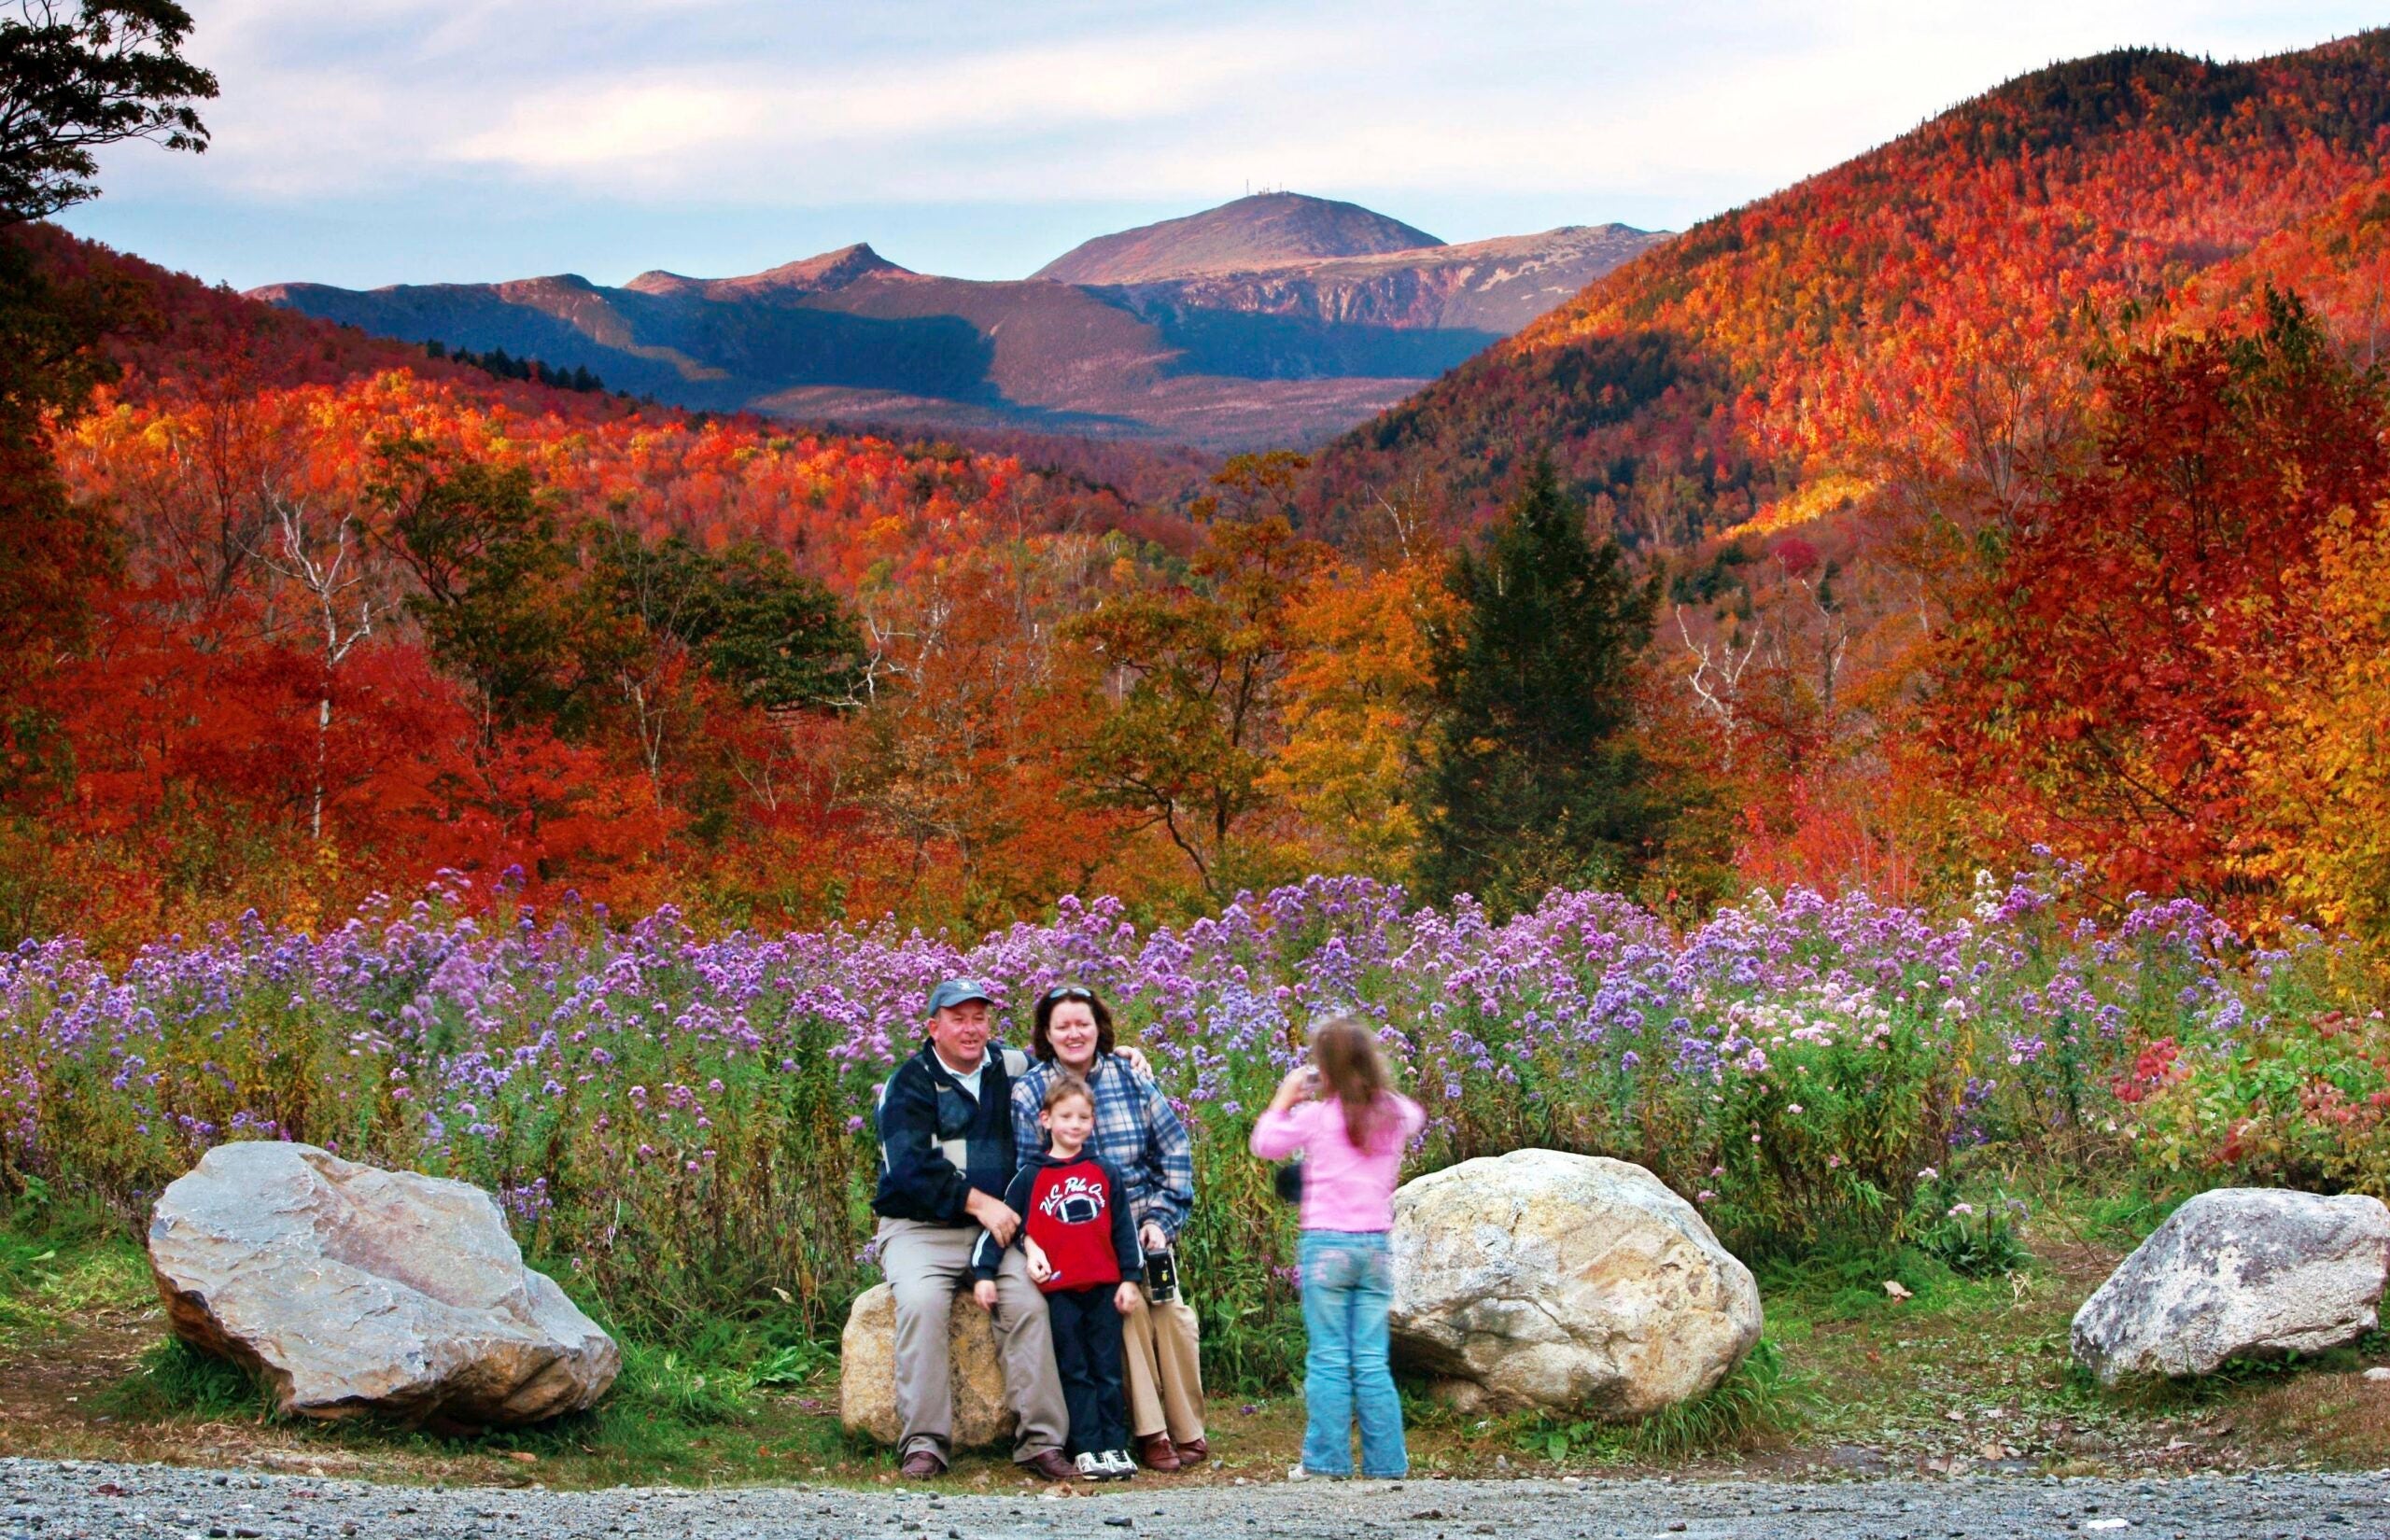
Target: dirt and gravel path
{"points": [[64, 1500]]}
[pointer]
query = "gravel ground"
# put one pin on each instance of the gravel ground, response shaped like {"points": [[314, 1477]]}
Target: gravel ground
{"points": [[52, 1500]]}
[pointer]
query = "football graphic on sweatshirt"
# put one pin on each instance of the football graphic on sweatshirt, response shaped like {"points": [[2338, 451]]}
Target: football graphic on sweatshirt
{"points": [[1075, 1199]]}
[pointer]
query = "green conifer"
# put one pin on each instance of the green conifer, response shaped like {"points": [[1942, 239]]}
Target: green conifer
{"points": [[1533, 781]]}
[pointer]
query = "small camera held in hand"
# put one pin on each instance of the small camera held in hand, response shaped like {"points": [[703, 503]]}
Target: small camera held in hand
{"points": [[1162, 1275]]}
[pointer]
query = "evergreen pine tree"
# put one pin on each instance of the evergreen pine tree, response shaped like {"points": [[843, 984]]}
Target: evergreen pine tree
{"points": [[1533, 784]]}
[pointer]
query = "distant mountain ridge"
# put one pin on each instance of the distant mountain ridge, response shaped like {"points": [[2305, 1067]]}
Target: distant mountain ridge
{"points": [[1262, 231], [1227, 358], [811, 274]]}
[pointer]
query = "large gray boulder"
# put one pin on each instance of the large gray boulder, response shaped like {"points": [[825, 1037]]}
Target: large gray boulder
{"points": [[1571, 1282], [2240, 1272], [355, 1289], [867, 1373]]}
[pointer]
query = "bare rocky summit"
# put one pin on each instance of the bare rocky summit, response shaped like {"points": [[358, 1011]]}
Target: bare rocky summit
{"points": [[1274, 320], [1265, 230]]}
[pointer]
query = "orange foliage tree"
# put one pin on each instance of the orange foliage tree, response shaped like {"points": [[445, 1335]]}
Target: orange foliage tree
{"points": [[2111, 681]]}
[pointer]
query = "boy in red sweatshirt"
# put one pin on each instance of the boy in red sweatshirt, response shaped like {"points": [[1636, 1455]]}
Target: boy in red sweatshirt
{"points": [[1074, 1206]]}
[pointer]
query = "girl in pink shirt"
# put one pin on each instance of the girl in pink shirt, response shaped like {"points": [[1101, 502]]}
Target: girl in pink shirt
{"points": [[1351, 1126]]}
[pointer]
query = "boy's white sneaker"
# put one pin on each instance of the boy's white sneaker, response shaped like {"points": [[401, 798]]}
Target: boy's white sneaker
{"points": [[1296, 1473], [1092, 1467], [1117, 1463]]}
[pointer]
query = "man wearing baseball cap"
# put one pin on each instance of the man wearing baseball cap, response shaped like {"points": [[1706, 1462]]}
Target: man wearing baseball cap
{"points": [[946, 1156]]}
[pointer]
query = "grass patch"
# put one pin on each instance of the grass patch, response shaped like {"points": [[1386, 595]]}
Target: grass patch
{"points": [[1752, 1403], [59, 1259], [177, 1380], [696, 1410]]}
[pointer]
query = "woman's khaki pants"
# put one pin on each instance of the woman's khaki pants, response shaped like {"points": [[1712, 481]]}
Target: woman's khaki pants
{"points": [[1160, 1350]]}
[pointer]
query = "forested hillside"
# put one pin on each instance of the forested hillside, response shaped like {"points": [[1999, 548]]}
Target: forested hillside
{"points": [[2013, 493], [1881, 319], [341, 615], [2015, 487]]}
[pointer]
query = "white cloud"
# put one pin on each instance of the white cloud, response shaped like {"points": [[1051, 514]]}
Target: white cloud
{"points": [[708, 127]]}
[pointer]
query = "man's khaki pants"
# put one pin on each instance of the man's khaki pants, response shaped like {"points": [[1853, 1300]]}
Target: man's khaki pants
{"points": [[1160, 1350], [927, 1264]]}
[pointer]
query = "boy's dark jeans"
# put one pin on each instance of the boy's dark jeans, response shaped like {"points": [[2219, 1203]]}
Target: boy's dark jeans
{"points": [[1087, 1354]]}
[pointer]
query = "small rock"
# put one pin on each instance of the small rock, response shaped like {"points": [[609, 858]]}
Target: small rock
{"points": [[867, 1373]]}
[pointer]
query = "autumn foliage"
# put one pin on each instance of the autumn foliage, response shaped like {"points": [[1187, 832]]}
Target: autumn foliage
{"points": [[2015, 487], [1790, 358], [2115, 683], [360, 617]]}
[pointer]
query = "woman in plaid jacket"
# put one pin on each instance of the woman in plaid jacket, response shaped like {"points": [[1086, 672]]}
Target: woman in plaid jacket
{"points": [[1140, 1133]]}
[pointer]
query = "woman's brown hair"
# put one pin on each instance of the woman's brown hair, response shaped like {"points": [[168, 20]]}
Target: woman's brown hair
{"points": [[1042, 1048], [1347, 1052]]}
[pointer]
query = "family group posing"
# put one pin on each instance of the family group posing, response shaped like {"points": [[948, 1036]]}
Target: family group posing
{"points": [[1053, 1184]]}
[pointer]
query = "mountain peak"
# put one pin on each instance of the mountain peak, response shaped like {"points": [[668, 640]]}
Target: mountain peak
{"points": [[831, 270], [1265, 230]]}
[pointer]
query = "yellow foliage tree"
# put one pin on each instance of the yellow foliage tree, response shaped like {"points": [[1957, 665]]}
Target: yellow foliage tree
{"points": [[1357, 699], [2320, 769]]}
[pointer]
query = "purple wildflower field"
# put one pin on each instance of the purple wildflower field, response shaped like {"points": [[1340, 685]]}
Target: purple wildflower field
{"points": [[676, 1124]]}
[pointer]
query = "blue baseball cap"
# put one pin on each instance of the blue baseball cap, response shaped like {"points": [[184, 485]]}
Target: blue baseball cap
{"points": [[955, 991]]}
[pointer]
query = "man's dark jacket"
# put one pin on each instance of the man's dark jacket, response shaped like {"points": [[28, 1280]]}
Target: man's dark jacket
{"points": [[926, 1121]]}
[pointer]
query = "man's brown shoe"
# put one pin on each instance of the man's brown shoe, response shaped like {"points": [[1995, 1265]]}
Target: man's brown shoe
{"points": [[1156, 1452], [922, 1465], [1048, 1465], [1194, 1452]]}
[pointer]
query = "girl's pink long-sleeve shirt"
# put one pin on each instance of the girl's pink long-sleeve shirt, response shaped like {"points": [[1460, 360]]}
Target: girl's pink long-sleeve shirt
{"points": [[1343, 1188]]}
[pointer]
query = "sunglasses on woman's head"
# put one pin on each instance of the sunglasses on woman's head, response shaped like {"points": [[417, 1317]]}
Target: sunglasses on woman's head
{"points": [[1068, 991]]}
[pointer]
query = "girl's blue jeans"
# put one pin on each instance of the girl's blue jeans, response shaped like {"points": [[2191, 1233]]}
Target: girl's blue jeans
{"points": [[1348, 1289]]}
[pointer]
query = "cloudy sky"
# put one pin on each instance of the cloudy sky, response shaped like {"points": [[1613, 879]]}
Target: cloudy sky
{"points": [[364, 142]]}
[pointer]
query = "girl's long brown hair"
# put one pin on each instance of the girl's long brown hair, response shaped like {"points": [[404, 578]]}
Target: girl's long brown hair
{"points": [[1347, 1052]]}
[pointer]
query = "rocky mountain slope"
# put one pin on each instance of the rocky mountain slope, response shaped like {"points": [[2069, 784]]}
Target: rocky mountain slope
{"points": [[1339, 328]]}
